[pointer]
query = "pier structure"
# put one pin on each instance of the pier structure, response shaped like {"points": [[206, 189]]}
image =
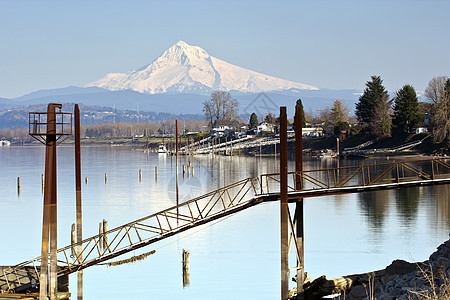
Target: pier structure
{"points": [[287, 187]]}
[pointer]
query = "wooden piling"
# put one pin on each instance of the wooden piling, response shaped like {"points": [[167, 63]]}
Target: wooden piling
{"points": [[86, 180], [140, 175], [18, 186], [100, 235], [73, 240], [106, 178], [156, 172], [185, 262], [105, 236], [42, 183]]}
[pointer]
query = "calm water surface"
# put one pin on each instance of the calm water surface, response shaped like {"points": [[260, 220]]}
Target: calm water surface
{"points": [[236, 257]]}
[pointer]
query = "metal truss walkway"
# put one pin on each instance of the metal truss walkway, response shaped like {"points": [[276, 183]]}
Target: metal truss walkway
{"points": [[225, 201]]}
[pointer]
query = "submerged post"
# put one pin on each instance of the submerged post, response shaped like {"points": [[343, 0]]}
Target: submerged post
{"points": [[79, 215], [299, 204], [284, 210]]}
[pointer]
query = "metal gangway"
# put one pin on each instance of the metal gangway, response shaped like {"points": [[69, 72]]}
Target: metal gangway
{"points": [[225, 201]]}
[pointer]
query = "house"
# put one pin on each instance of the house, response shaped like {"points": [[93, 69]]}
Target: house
{"points": [[420, 130], [265, 127], [225, 127], [312, 131]]}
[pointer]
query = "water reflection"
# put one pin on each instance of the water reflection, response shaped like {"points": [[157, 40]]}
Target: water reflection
{"points": [[407, 204], [399, 222], [374, 206]]}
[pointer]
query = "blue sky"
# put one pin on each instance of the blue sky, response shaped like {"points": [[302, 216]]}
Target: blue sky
{"points": [[329, 44]]}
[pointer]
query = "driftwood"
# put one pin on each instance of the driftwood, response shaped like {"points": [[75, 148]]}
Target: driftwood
{"points": [[367, 282]]}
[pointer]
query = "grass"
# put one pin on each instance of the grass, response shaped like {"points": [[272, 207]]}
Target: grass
{"points": [[438, 285]]}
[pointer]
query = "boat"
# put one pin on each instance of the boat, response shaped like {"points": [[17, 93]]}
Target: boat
{"points": [[5, 143], [327, 154], [162, 148]]}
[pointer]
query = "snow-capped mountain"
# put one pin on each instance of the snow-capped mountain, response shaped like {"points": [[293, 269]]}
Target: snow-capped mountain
{"points": [[190, 69]]}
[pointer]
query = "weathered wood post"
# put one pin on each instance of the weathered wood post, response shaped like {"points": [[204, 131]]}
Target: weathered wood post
{"points": [[105, 236], [106, 178], [100, 235], [298, 121], [185, 261], [284, 210], [42, 183], [18, 186]]}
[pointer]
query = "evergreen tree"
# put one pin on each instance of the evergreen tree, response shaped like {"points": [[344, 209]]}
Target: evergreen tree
{"points": [[253, 122], [339, 112], [299, 102], [406, 110], [374, 92]]}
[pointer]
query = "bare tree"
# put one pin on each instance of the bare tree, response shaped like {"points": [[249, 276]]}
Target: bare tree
{"points": [[381, 120], [221, 106], [339, 112], [438, 92]]}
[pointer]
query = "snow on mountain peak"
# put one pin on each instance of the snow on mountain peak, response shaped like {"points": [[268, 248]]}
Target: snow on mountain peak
{"points": [[186, 68]]}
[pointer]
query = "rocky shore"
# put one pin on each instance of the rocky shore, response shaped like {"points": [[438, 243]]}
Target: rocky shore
{"points": [[400, 280]]}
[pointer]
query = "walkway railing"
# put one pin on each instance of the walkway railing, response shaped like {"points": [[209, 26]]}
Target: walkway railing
{"points": [[361, 175], [219, 203], [140, 233]]}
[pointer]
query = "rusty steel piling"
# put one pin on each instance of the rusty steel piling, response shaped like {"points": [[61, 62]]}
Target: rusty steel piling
{"points": [[284, 209], [79, 216]]}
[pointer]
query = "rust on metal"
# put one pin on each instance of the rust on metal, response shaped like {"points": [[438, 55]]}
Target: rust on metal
{"points": [[50, 128], [79, 215], [299, 204], [284, 210]]}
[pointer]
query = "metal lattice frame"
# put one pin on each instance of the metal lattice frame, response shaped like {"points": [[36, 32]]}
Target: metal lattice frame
{"points": [[37, 126], [217, 204], [147, 230]]}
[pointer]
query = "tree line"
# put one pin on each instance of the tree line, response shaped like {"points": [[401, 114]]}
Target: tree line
{"points": [[118, 130], [383, 116]]}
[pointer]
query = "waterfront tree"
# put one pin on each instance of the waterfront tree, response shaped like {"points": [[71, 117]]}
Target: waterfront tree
{"points": [[438, 92], [253, 122], [374, 93], [339, 112], [299, 102], [406, 110], [220, 106], [381, 121]]}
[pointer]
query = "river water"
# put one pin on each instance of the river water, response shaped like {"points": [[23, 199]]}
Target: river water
{"points": [[238, 256]]}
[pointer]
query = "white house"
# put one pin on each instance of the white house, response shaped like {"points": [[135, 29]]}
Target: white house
{"points": [[265, 127], [5, 143], [225, 127], [312, 131]]}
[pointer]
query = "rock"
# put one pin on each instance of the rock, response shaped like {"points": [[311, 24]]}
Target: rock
{"points": [[395, 292], [400, 267], [358, 292]]}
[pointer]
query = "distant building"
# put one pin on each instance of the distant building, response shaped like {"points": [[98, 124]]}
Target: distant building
{"points": [[312, 131], [5, 143], [226, 127], [420, 130], [265, 127]]}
